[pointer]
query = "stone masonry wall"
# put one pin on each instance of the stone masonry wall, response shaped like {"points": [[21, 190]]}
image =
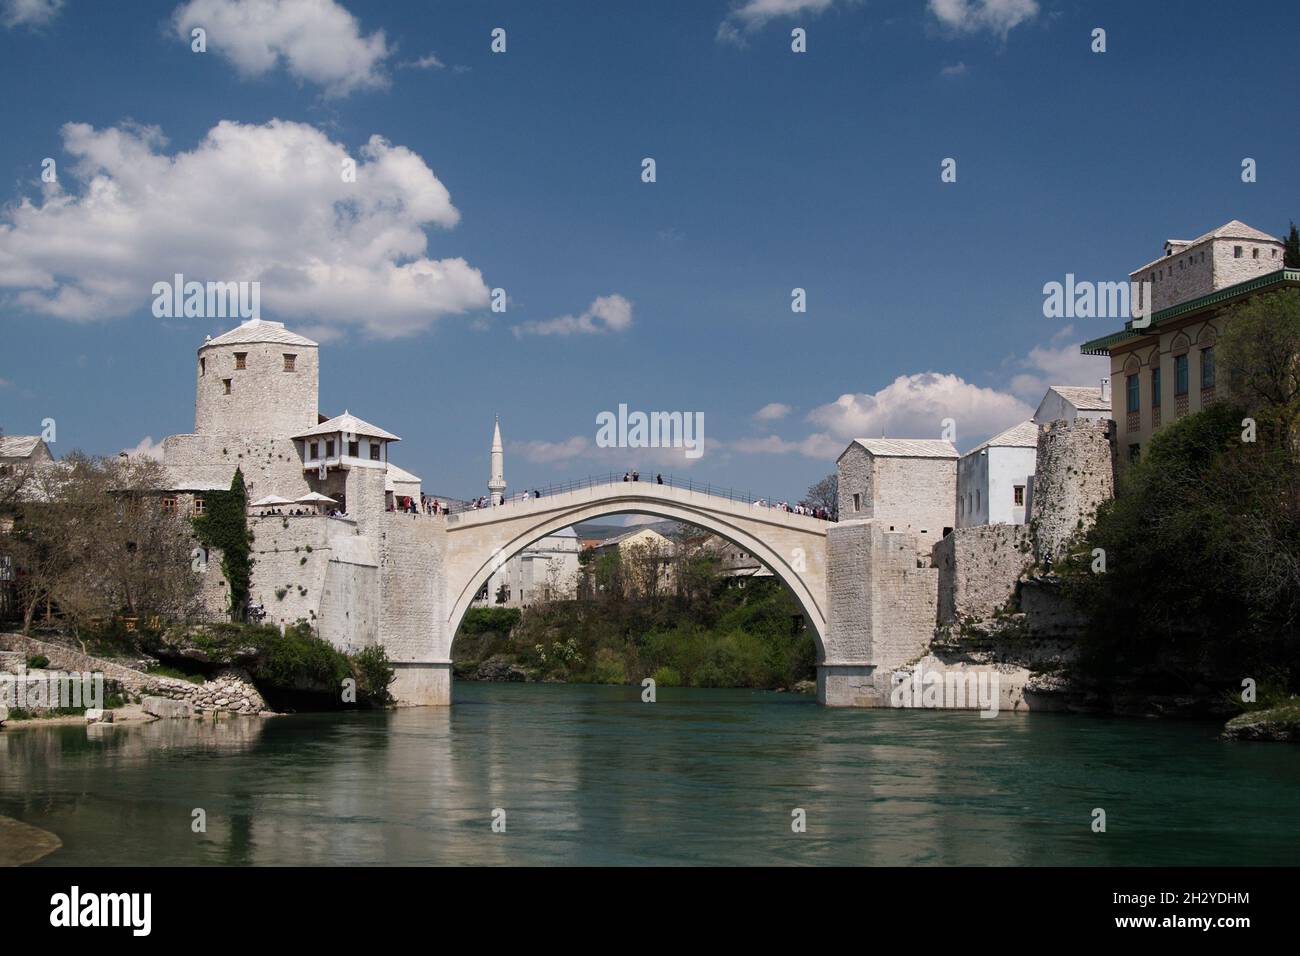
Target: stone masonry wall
{"points": [[1074, 473], [413, 608], [978, 569]]}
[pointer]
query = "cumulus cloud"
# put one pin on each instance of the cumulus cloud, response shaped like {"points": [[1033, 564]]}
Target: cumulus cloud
{"points": [[996, 16], [608, 313], [749, 16], [145, 448], [914, 406], [1057, 363], [772, 411], [317, 41], [248, 203], [28, 13]]}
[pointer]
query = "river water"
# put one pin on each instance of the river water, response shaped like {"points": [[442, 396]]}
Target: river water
{"points": [[591, 775]]}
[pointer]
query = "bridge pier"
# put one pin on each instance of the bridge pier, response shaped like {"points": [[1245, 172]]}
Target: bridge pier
{"points": [[422, 683], [849, 685]]}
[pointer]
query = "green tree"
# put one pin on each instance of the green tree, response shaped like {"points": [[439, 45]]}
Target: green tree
{"points": [[1291, 258]]}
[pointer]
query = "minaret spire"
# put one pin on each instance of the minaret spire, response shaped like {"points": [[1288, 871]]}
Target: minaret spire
{"points": [[497, 483]]}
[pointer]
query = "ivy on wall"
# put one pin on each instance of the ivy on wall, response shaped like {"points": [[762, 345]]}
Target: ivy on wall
{"points": [[224, 525]]}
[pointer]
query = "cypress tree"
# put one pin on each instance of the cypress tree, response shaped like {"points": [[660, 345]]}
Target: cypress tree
{"points": [[224, 525]]}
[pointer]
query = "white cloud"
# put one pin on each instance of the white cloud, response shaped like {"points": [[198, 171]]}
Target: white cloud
{"points": [[248, 203], [914, 406], [751, 15], [772, 411], [145, 448], [955, 69], [429, 62], [28, 13], [818, 445], [608, 313], [318, 41], [996, 16], [1056, 364], [548, 452]]}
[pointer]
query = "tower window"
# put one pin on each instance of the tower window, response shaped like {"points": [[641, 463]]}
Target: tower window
{"points": [[1020, 494], [203, 366], [1236, 252], [1254, 253], [226, 383], [289, 362], [857, 502], [241, 360]]}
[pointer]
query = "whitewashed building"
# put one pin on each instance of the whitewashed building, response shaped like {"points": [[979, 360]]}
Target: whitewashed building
{"points": [[993, 479], [546, 570]]}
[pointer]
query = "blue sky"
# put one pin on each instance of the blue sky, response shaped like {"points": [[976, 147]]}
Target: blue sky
{"points": [[522, 171]]}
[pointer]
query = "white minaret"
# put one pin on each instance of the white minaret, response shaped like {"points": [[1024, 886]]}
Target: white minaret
{"points": [[497, 483]]}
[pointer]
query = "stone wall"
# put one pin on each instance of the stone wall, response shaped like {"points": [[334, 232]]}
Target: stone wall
{"points": [[978, 569], [271, 466], [1073, 475], [230, 691]]}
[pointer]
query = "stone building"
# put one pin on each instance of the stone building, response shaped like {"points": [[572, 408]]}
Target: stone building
{"points": [[1166, 370], [23, 450], [908, 483], [546, 570], [1068, 402], [993, 478]]}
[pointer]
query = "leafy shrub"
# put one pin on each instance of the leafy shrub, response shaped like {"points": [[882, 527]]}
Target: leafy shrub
{"points": [[374, 674]]}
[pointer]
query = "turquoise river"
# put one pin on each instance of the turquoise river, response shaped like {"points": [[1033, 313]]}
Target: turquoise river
{"points": [[591, 775]]}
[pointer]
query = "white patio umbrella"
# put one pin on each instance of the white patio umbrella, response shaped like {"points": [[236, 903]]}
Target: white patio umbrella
{"points": [[271, 501], [315, 498]]}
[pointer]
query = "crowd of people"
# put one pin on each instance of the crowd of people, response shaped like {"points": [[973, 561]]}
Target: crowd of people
{"points": [[800, 508]]}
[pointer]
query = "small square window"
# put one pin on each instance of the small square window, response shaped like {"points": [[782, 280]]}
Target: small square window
{"points": [[1020, 494], [374, 451], [289, 362], [169, 506], [226, 383], [241, 360], [329, 448], [200, 506], [354, 449], [1236, 252], [1254, 253]]}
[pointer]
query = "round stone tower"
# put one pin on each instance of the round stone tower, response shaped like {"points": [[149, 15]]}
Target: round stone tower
{"points": [[258, 379]]}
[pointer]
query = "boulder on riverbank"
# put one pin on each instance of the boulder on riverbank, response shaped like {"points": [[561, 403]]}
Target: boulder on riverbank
{"points": [[167, 708], [1277, 723], [499, 668]]}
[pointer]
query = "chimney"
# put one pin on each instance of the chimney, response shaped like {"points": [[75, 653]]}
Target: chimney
{"points": [[1105, 390]]}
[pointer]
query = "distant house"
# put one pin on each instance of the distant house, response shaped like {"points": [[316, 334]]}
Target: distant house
{"points": [[993, 478], [546, 570], [23, 450], [1074, 401], [907, 483]]}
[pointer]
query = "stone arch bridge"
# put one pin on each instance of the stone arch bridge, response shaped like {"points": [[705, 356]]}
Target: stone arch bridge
{"points": [[433, 566]]}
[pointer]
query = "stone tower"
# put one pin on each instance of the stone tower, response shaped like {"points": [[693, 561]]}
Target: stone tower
{"points": [[257, 379], [497, 483]]}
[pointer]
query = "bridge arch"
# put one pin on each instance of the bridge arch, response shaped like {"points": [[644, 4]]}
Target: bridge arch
{"points": [[792, 546]]}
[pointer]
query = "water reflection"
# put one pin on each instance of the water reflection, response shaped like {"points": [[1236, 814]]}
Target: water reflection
{"points": [[594, 776]]}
